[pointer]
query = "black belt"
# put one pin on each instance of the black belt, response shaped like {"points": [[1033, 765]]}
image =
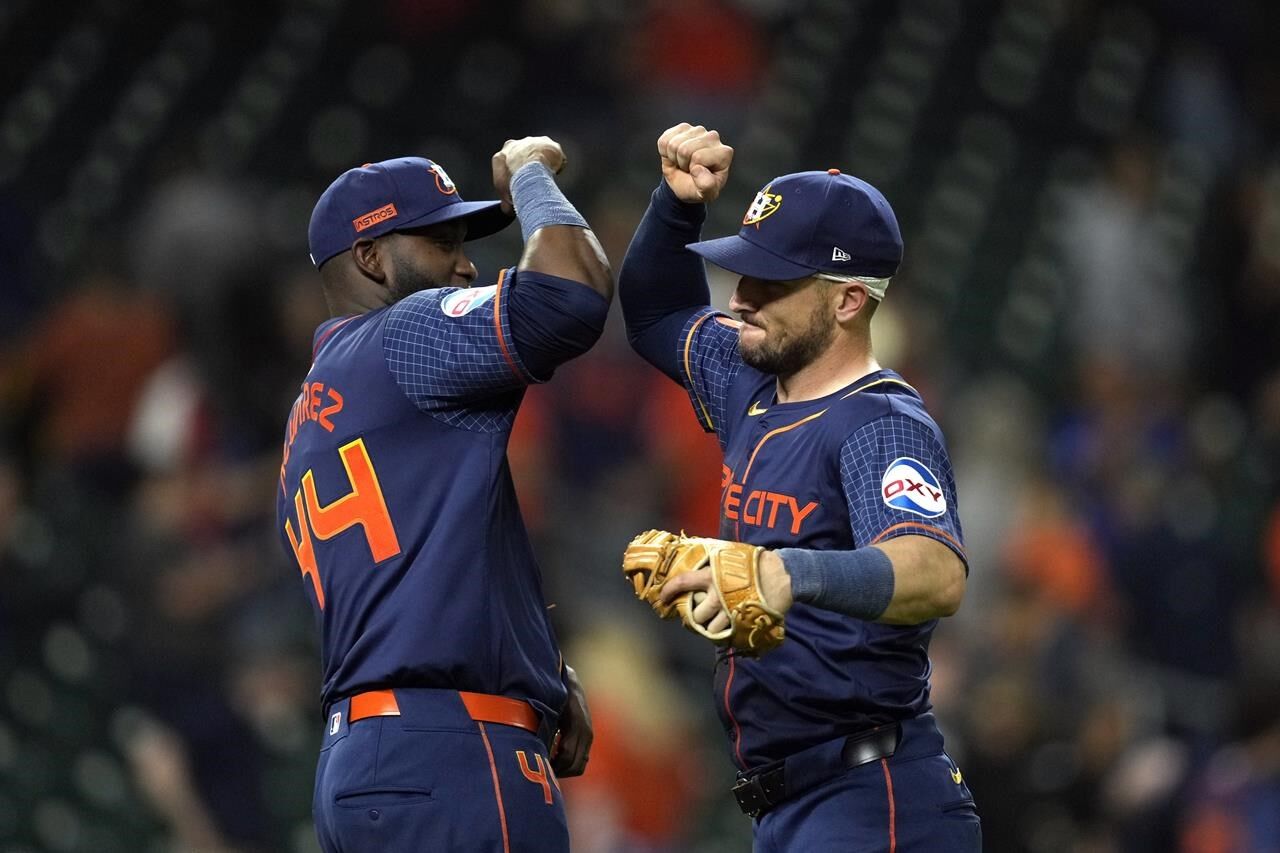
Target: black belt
{"points": [[761, 789]]}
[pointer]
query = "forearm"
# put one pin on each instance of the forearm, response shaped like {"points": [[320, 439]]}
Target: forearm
{"points": [[558, 240], [904, 581], [928, 579], [660, 282]]}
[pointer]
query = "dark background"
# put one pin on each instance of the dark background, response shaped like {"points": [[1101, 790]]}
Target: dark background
{"points": [[1090, 304]]}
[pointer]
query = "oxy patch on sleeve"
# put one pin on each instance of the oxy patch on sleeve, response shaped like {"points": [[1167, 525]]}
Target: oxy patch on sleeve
{"points": [[909, 485], [466, 300]]}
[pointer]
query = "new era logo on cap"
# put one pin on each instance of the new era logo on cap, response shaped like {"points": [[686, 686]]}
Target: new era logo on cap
{"points": [[394, 195], [810, 222]]}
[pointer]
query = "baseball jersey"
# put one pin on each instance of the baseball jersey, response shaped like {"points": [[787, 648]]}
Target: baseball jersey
{"points": [[854, 468], [396, 502]]}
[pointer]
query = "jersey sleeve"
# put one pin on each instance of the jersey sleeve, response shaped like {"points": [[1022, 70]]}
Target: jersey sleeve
{"points": [[707, 354], [552, 320], [661, 284], [451, 346], [898, 481]]}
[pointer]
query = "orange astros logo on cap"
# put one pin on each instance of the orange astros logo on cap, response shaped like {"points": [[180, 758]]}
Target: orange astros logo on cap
{"points": [[765, 204], [373, 217]]}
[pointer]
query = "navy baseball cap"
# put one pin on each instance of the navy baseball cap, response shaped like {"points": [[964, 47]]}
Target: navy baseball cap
{"points": [[407, 192], [811, 222]]}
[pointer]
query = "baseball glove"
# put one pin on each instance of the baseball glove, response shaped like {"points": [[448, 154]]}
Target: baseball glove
{"points": [[656, 556]]}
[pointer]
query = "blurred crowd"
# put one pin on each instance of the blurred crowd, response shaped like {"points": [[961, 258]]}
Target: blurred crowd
{"points": [[1090, 305]]}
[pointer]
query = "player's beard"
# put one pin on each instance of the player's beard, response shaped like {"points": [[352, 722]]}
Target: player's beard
{"points": [[792, 353], [410, 280]]}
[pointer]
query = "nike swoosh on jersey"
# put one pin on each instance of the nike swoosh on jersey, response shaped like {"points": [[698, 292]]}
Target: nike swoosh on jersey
{"points": [[755, 409]]}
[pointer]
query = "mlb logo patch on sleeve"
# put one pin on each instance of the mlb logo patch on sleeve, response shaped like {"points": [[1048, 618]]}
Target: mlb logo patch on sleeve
{"points": [[909, 485], [467, 300]]}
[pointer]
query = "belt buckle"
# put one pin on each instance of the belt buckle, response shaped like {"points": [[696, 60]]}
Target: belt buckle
{"points": [[750, 795]]}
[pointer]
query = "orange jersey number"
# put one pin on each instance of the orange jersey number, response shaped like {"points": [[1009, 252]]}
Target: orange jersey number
{"points": [[363, 505]]}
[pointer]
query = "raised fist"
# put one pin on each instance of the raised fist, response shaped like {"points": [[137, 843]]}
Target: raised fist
{"points": [[518, 152], [695, 163]]}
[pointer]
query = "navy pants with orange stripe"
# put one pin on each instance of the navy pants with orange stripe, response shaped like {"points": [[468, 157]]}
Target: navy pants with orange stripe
{"points": [[433, 779], [913, 802]]}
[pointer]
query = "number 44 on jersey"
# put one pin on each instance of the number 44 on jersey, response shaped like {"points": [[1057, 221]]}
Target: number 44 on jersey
{"points": [[364, 505]]}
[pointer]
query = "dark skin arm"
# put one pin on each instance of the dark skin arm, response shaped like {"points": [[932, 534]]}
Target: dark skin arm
{"points": [[573, 253], [569, 757], [566, 251]]}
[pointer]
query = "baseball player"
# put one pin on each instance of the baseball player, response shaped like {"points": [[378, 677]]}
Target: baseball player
{"points": [[444, 689], [838, 480]]}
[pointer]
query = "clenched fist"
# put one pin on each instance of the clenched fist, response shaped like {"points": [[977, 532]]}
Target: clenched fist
{"points": [[695, 163], [518, 152]]}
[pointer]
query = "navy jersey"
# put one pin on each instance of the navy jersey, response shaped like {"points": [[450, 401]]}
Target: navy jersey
{"points": [[396, 503], [857, 467]]}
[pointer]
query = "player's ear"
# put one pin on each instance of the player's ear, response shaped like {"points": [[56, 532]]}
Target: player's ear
{"points": [[851, 300], [369, 259]]}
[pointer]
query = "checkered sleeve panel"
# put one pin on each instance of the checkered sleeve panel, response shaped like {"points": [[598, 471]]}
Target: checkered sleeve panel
{"points": [[450, 351], [898, 481], [709, 362]]}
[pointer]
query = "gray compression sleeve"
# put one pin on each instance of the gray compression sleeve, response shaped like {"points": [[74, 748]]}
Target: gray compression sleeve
{"points": [[539, 202], [858, 583]]}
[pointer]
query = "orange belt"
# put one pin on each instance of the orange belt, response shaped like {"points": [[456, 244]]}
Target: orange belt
{"points": [[482, 707]]}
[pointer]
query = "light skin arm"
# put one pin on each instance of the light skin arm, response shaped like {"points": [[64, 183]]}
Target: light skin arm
{"points": [[565, 251], [928, 580], [660, 284], [695, 163], [928, 583]]}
